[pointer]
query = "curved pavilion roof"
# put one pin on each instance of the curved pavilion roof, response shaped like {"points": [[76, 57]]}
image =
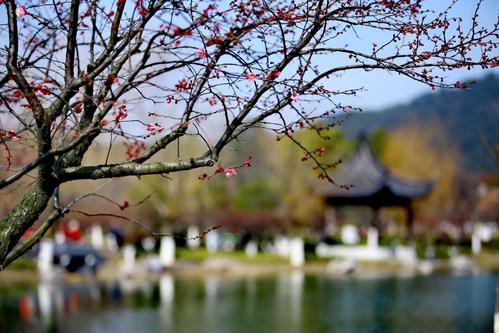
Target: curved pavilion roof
{"points": [[372, 184]]}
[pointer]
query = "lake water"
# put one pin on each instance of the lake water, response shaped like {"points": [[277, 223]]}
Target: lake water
{"points": [[291, 302]]}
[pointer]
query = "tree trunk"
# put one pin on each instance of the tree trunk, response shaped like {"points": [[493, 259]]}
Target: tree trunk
{"points": [[410, 225], [21, 217]]}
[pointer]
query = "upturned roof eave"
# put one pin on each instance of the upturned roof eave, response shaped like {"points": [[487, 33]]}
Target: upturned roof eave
{"points": [[368, 177]]}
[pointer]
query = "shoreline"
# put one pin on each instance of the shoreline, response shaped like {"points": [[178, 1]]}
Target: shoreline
{"points": [[234, 269]]}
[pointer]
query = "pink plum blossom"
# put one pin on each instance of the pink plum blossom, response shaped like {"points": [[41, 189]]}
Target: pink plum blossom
{"points": [[218, 169], [295, 96], [21, 11], [122, 113], [200, 53], [154, 128], [12, 135], [250, 76], [230, 172], [273, 75]]}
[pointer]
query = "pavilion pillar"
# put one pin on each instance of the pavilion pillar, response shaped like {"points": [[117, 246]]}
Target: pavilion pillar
{"points": [[410, 224], [376, 221], [330, 226]]}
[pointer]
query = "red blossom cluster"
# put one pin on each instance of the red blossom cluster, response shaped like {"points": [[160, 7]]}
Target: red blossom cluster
{"points": [[273, 75], [88, 12], [21, 11], [78, 108], [111, 79], [200, 53], [134, 149], [10, 135], [461, 85], [42, 89], [154, 128], [17, 93], [229, 172], [288, 16], [184, 85], [182, 32], [215, 40], [316, 153], [250, 76], [121, 113], [125, 205], [212, 101]]}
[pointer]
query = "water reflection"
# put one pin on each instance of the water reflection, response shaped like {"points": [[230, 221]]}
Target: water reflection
{"points": [[45, 292], [166, 292], [291, 302]]}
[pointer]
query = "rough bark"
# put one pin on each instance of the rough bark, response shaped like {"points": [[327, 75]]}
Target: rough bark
{"points": [[19, 219]]}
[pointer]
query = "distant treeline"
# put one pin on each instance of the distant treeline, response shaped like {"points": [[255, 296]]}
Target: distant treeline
{"points": [[469, 119]]}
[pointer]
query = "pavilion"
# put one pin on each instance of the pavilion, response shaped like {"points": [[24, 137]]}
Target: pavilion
{"points": [[371, 184]]}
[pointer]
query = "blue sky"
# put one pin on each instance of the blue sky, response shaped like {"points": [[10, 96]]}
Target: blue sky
{"points": [[385, 89]]}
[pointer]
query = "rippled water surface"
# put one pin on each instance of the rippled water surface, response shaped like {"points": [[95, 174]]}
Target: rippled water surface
{"points": [[292, 302]]}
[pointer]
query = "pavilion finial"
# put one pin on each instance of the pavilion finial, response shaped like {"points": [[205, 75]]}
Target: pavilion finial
{"points": [[362, 137]]}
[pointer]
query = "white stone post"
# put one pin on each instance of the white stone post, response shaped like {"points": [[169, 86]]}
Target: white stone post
{"points": [[167, 251], [211, 241], [251, 249], [349, 234], [297, 253], [282, 246], [46, 258], [372, 237], [193, 240], [97, 237], [59, 237], [148, 243], [476, 242], [128, 257], [111, 243]]}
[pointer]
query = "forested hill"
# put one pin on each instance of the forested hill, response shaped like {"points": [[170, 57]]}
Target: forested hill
{"points": [[461, 114]]}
